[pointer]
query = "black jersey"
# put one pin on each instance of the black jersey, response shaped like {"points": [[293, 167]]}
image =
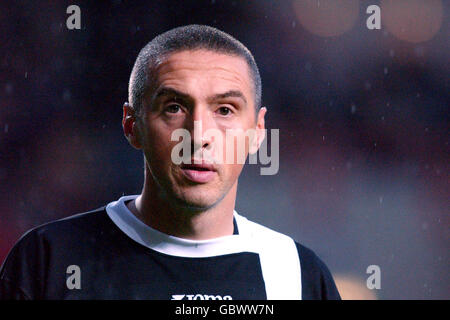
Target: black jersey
{"points": [[110, 254]]}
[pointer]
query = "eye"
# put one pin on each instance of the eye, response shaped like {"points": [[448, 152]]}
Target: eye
{"points": [[224, 111], [173, 108]]}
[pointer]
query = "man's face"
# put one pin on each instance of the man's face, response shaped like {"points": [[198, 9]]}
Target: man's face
{"points": [[202, 87]]}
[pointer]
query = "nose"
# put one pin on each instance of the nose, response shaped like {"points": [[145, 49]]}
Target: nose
{"points": [[200, 121]]}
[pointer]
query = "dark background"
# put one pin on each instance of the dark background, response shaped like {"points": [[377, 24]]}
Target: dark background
{"points": [[363, 119]]}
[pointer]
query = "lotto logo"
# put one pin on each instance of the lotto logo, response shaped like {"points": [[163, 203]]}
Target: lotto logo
{"points": [[199, 297]]}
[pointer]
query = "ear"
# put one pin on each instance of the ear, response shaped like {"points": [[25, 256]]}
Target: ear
{"points": [[260, 131], [130, 126]]}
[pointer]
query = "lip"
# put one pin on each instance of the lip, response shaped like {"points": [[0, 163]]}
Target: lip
{"points": [[199, 173], [200, 165]]}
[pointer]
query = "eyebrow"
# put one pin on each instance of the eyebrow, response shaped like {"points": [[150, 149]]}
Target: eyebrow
{"points": [[166, 91], [229, 94]]}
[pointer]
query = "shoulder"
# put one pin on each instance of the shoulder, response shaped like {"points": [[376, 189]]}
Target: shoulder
{"points": [[317, 281], [68, 227], [78, 221], [39, 241], [24, 272], [263, 233]]}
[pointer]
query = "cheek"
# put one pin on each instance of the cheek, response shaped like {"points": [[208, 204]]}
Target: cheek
{"points": [[231, 173], [235, 148], [158, 147]]}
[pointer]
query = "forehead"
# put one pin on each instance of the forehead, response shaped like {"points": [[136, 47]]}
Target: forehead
{"points": [[205, 68]]}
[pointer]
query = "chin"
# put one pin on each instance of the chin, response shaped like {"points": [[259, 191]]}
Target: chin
{"points": [[195, 202]]}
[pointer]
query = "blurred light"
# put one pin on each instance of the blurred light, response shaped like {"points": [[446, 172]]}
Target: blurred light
{"points": [[353, 288], [412, 20], [327, 18]]}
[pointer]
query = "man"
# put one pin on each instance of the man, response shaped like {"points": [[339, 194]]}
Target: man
{"points": [[181, 237]]}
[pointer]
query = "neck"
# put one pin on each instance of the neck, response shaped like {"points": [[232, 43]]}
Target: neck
{"points": [[161, 214]]}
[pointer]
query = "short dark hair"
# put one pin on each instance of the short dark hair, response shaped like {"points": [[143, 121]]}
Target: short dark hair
{"points": [[190, 37]]}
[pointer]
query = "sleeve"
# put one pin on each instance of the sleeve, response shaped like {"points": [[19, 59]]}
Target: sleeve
{"points": [[21, 275], [10, 291], [317, 281]]}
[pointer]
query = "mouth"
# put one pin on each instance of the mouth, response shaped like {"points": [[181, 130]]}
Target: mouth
{"points": [[199, 173]]}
